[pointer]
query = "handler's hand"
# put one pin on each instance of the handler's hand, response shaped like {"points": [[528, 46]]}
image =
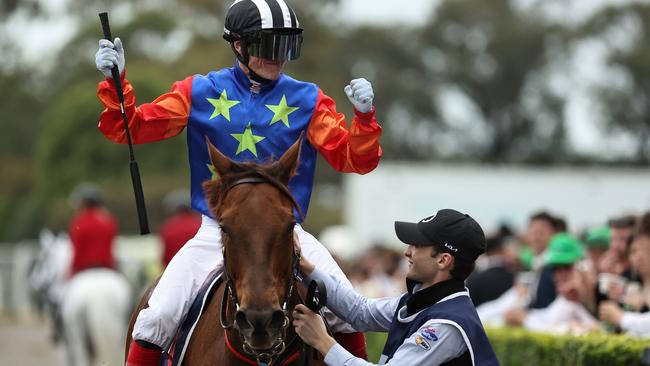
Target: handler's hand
{"points": [[360, 94], [108, 55], [311, 328], [306, 267]]}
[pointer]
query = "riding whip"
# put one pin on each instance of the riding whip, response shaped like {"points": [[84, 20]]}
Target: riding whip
{"points": [[135, 173]]}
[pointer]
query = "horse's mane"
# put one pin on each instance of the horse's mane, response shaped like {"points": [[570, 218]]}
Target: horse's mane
{"points": [[215, 190]]}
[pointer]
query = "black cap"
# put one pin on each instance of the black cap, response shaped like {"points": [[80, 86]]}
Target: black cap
{"points": [[458, 233]]}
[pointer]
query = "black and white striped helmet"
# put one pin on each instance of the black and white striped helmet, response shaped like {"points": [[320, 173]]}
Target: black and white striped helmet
{"points": [[269, 29]]}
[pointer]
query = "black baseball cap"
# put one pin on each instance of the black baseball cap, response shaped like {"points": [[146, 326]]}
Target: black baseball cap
{"points": [[459, 234]]}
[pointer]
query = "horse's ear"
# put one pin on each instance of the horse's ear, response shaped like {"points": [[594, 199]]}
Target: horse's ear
{"points": [[222, 164], [285, 168]]}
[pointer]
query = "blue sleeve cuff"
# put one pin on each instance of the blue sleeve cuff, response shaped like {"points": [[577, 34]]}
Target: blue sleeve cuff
{"points": [[317, 274], [337, 356]]}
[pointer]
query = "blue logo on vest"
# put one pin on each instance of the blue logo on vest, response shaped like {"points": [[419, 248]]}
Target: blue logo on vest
{"points": [[429, 333]]}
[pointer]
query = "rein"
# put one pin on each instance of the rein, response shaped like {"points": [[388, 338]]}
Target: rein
{"points": [[279, 349]]}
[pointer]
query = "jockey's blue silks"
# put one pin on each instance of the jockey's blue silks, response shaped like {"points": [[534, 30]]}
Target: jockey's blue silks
{"points": [[249, 126]]}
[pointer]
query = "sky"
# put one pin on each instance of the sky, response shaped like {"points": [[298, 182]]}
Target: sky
{"points": [[386, 11]]}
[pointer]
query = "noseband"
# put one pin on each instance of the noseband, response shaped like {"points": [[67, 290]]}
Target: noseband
{"points": [[230, 293]]}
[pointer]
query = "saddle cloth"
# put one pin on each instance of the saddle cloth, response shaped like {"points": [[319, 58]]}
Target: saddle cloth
{"points": [[179, 346]]}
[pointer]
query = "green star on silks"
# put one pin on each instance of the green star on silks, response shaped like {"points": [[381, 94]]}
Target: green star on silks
{"points": [[247, 140], [213, 171], [222, 105], [281, 111]]}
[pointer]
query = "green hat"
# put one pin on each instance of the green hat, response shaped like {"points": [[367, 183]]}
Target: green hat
{"points": [[526, 256], [563, 249], [598, 237]]}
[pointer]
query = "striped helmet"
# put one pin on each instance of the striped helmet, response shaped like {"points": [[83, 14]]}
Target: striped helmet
{"points": [[268, 29]]}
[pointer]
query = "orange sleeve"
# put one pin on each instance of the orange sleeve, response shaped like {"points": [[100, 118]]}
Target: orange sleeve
{"points": [[163, 118], [347, 150]]}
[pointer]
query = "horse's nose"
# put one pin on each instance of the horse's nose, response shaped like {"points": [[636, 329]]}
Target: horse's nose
{"points": [[259, 320], [254, 320]]}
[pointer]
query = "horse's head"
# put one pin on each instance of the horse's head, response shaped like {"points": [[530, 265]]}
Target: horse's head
{"points": [[255, 212]]}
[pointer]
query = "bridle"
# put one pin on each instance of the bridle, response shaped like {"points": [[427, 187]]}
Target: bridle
{"points": [[230, 293]]}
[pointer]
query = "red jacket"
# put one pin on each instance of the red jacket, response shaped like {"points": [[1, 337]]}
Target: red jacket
{"points": [[176, 231], [92, 232]]}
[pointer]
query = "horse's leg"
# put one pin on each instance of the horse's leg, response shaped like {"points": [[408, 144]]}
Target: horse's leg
{"points": [[107, 317], [74, 324]]}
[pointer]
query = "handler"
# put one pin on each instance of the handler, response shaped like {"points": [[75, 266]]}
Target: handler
{"points": [[434, 323], [250, 112]]}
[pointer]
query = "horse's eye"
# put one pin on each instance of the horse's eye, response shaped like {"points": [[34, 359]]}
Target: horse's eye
{"points": [[224, 231], [290, 229]]}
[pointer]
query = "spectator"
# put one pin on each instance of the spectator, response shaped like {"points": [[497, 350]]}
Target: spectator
{"points": [[614, 267], [615, 259], [567, 312], [637, 298], [92, 231], [527, 285], [375, 274], [181, 225], [597, 241], [495, 279], [542, 227]]}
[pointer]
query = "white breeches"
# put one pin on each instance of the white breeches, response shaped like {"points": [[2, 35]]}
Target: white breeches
{"points": [[185, 274]]}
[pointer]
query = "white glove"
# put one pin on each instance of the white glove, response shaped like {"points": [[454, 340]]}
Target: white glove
{"points": [[108, 55], [360, 94]]}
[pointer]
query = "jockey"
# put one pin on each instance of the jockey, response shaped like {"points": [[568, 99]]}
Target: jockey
{"points": [[92, 231], [250, 112]]}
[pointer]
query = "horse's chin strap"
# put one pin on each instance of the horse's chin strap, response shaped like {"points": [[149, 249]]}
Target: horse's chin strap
{"points": [[259, 362]]}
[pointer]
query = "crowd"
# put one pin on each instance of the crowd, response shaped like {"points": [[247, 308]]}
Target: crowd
{"points": [[549, 278]]}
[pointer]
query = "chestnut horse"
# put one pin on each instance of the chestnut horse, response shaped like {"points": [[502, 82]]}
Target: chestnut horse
{"points": [[256, 215]]}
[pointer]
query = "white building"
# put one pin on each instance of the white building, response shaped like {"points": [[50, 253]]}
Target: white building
{"points": [[491, 194]]}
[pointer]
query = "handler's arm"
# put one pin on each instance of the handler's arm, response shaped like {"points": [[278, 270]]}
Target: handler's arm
{"points": [[163, 118], [347, 150], [433, 344], [362, 313]]}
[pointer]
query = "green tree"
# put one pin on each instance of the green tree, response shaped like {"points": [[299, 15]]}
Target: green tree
{"points": [[625, 100], [490, 53]]}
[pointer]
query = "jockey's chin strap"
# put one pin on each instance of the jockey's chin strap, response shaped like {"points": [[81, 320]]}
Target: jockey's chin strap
{"points": [[244, 58], [278, 349]]}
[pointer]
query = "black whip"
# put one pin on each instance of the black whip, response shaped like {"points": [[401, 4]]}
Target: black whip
{"points": [[135, 172]]}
